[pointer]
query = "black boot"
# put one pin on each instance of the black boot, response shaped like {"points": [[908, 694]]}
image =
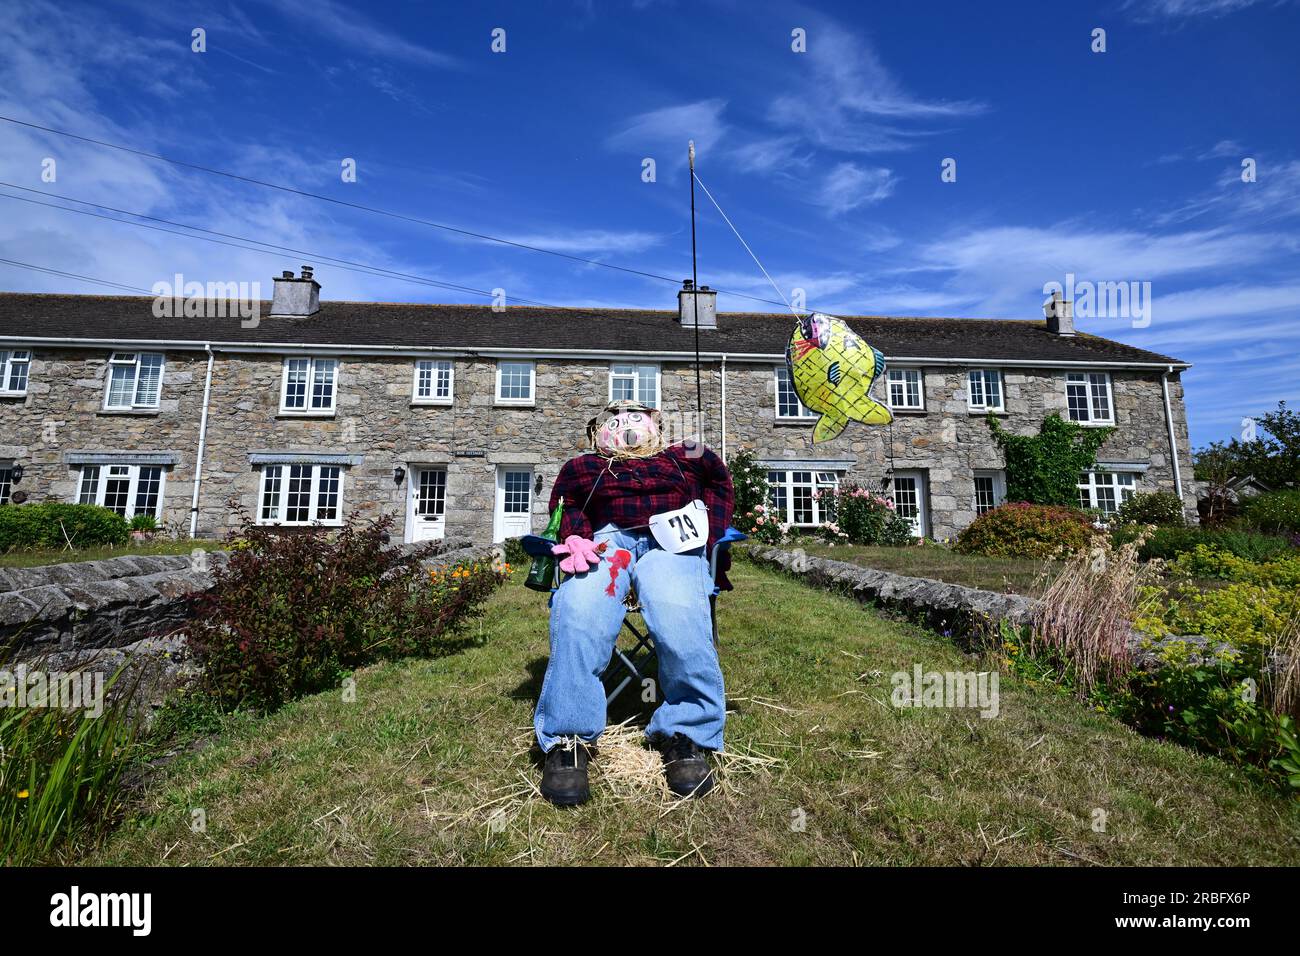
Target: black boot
{"points": [[564, 776], [686, 765]]}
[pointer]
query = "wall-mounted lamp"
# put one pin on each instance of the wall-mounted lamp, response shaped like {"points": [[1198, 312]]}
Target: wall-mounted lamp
{"points": [[16, 473], [399, 474], [537, 485]]}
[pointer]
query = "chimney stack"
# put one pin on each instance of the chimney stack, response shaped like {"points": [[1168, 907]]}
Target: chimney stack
{"points": [[1060, 315], [295, 297], [697, 304]]}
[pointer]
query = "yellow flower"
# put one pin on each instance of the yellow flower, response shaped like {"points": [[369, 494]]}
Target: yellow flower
{"points": [[22, 794]]}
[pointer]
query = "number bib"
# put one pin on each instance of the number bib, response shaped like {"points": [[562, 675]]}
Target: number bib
{"points": [[682, 530]]}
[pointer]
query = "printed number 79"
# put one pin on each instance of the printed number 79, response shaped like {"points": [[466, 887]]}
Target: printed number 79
{"points": [[683, 534]]}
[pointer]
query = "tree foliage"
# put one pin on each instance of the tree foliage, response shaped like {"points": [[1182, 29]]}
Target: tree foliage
{"points": [[1272, 456]]}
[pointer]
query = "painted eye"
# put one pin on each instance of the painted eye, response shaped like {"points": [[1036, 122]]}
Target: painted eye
{"points": [[634, 419]]}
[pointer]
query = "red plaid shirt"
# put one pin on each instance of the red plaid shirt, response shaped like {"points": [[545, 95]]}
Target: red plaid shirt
{"points": [[597, 491]]}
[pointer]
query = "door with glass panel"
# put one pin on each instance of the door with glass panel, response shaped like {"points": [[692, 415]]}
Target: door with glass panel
{"points": [[514, 506], [427, 515], [909, 500]]}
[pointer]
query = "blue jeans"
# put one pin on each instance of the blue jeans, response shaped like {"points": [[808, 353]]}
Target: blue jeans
{"points": [[586, 615]]}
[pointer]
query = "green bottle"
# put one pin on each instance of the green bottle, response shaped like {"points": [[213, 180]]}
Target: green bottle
{"points": [[541, 574]]}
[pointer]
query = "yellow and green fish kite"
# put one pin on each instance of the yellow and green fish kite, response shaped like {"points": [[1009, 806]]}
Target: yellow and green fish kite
{"points": [[833, 370]]}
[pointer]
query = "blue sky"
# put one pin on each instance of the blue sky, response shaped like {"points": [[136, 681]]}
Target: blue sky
{"points": [[1122, 166]]}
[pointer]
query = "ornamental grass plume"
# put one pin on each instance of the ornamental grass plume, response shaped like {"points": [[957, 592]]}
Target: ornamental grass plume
{"points": [[1284, 682], [1084, 620]]}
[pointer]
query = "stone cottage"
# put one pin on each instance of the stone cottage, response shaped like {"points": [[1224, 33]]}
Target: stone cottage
{"points": [[456, 418]]}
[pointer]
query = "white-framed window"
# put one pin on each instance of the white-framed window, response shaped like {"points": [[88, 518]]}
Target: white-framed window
{"points": [[515, 381], [792, 495], [301, 495], [6, 483], [1106, 490], [129, 490], [134, 381], [14, 365], [788, 405], [984, 389], [906, 389], [309, 386], [990, 490], [635, 383], [1088, 396], [433, 381]]}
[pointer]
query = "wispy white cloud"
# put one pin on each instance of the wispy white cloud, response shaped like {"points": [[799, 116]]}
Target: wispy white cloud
{"points": [[847, 186], [351, 28], [1274, 194], [589, 240], [63, 60], [1180, 9], [662, 133], [851, 102]]}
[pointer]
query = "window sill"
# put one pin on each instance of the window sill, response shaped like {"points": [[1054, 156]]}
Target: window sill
{"points": [[145, 412], [800, 422], [284, 414], [428, 403], [1094, 424], [506, 403], [1000, 412], [4, 395], [909, 411]]}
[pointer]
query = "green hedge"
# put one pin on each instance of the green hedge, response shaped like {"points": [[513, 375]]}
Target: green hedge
{"points": [[1160, 508], [1277, 512], [1168, 543], [54, 525]]}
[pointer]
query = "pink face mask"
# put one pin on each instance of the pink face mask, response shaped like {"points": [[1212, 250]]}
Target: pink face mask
{"points": [[628, 434]]}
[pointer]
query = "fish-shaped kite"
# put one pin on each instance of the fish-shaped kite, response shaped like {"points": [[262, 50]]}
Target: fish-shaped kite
{"points": [[832, 370]]}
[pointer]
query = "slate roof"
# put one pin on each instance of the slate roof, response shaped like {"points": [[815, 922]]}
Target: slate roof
{"points": [[38, 316]]}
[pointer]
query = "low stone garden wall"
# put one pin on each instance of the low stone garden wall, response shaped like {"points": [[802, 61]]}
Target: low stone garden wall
{"points": [[948, 608], [86, 605], [959, 612], [122, 614]]}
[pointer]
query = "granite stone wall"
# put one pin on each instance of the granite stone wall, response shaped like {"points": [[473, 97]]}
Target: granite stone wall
{"points": [[949, 443], [376, 422]]}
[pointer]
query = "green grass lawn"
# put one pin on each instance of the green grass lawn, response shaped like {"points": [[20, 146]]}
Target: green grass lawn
{"points": [[1028, 576], [36, 557], [430, 766]]}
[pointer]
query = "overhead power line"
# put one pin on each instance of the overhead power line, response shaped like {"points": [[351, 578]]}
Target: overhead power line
{"points": [[271, 249], [370, 209], [74, 275]]}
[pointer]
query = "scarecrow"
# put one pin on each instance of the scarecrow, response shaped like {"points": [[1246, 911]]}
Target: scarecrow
{"points": [[636, 514]]}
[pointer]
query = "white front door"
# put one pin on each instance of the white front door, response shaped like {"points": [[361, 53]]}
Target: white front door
{"points": [[426, 513], [514, 510], [909, 500]]}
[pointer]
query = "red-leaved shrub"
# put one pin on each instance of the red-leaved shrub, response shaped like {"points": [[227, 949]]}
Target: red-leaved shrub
{"points": [[293, 611], [1028, 531]]}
